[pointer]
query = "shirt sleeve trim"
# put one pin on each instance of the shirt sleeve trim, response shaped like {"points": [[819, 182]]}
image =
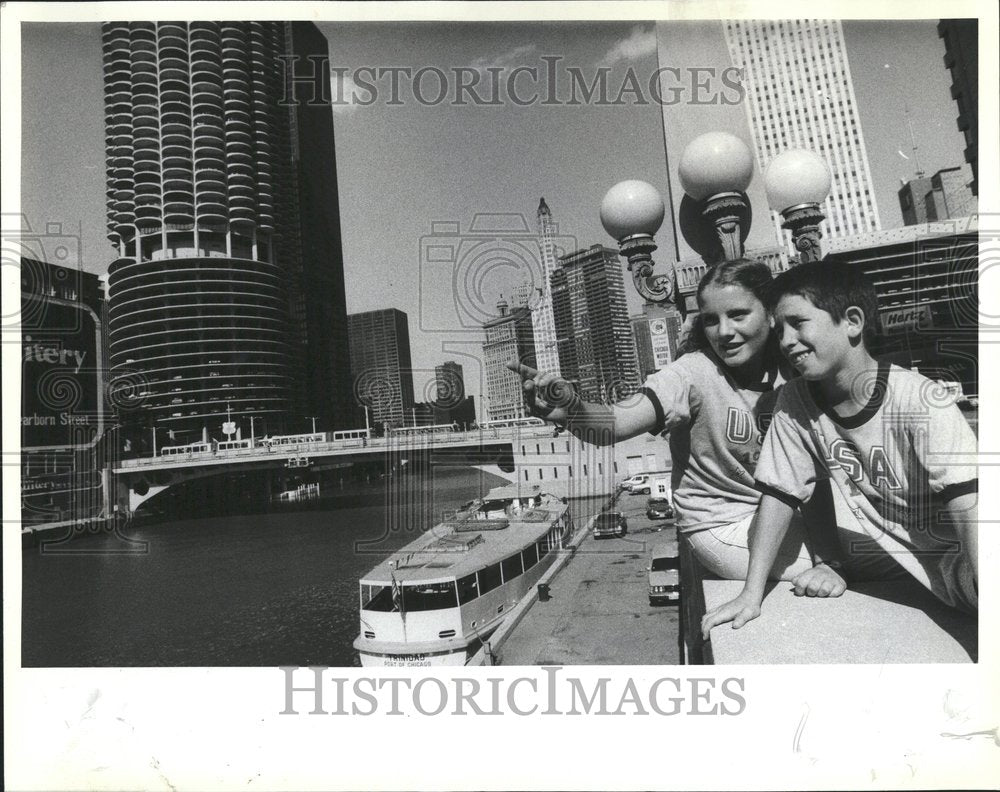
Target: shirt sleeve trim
{"points": [[962, 488], [784, 497], [661, 421]]}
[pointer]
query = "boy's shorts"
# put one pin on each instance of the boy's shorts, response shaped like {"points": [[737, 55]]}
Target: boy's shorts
{"points": [[951, 579]]}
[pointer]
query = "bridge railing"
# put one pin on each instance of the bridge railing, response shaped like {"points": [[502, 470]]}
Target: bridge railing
{"points": [[264, 451]]}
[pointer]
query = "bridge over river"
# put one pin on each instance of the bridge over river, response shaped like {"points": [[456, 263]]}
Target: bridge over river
{"points": [[133, 481]]}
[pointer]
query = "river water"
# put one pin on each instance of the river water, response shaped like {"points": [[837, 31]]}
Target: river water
{"points": [[250, 590]]}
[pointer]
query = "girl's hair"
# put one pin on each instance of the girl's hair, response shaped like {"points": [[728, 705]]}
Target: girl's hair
{"points": [[754, 276]]}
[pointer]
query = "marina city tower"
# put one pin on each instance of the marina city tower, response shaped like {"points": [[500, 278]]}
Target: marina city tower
{"points": [[227, 293]]}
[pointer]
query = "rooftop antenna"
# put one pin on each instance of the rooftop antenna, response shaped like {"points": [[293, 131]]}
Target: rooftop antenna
{"points": [[913, 142]]}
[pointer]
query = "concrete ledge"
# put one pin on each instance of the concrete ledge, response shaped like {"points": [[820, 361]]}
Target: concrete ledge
{"points": [[887, 621], [895, 621]]}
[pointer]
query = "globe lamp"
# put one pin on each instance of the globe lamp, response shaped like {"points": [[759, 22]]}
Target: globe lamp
{"points": [[632, 212], [715, 170], [797, 182]]}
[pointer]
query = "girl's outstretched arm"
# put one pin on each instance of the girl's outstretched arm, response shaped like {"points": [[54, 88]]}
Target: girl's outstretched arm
{"points": [[551, 397]]}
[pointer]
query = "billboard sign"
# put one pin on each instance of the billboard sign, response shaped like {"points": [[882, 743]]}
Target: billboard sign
{"points": [[61, 383]]}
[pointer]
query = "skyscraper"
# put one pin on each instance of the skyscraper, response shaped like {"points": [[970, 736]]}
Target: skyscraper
{"points": [[961, 58], [643, 346], [450, 402], [596, 347], [799, 94], [321, 305], [449, 382], [508, 337], [546, 345], [227, 293], [381, 362]]}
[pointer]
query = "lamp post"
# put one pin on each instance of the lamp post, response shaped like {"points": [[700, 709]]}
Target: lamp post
{"points": [[632, 212], [715, 170], [797, 181]]}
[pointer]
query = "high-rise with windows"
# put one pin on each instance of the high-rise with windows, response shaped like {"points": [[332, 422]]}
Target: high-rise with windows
{"points": [[596, 346], [546, 345], [799, 94], [508, 337], [381, 362], [227, 296]]}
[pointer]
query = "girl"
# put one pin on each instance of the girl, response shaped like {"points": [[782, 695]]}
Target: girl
{"points": [[715, 401]]}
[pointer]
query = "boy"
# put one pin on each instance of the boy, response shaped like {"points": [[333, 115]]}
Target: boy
{"points": [[905, 464]]}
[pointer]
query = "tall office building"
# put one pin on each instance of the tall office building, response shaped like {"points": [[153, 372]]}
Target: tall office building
{"points": [[227, 293], [799, 94], [509, 337], [451, 405], [596, 347], [546, 344], [643, 346], [381, 362], [961, 58], [449, 381]]}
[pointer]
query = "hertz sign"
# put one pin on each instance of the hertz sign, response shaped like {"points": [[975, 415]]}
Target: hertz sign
{"points": [[899, 320], [61, 383]]}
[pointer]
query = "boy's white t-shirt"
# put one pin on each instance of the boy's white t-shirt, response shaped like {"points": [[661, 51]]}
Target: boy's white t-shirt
{"points": [[716, 429], [897, 463]]}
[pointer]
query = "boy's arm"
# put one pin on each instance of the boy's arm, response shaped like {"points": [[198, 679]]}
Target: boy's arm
{"points": [[964, 513], [771, 524], [820, 517]]}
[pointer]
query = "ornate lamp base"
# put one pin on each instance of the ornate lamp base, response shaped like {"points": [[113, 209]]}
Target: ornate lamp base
{"points": [[804, 222], [638, 249], [726, 212]]}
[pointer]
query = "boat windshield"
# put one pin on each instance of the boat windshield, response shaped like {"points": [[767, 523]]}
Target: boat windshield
{"points": [[409, 597]]}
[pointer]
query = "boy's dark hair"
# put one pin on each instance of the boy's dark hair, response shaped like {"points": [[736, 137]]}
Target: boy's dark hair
{"points": [[832, 287]]}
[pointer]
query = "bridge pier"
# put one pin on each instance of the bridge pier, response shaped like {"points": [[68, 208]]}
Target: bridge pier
{"points": [[115, 494]]}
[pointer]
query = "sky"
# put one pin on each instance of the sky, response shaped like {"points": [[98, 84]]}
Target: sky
{"points": [[414, 179]]}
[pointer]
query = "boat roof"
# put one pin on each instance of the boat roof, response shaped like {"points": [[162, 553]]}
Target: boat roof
{"points": [[487, 531]]}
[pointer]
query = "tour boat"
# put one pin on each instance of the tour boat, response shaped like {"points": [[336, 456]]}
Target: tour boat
{"points": [[435, 601]]}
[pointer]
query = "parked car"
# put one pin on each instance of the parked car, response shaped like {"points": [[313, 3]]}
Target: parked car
{"points": [[659, 509], [637, 484], [610, 524], [627, 483], [664, 576]]}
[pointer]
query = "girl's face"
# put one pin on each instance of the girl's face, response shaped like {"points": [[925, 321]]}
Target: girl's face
{"points": [[737, 325]]}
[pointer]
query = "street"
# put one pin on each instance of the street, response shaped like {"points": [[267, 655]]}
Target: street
{"points": [[599, 612]]}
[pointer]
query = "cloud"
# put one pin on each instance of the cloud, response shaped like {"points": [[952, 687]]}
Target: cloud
{"points": [[514, 57], [641, 41], [343, 91]]}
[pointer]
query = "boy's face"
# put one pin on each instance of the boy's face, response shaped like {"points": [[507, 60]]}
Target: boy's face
{"points": [[814, 343]]}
